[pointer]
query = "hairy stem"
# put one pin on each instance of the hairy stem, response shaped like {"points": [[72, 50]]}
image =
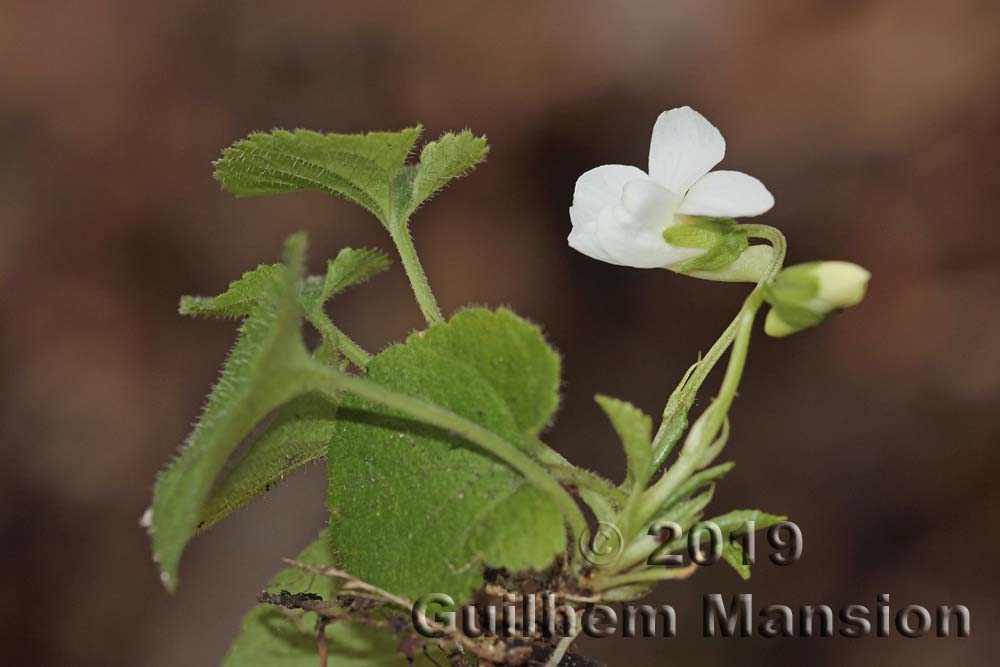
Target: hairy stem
{"points": [[571, 475], [400, 233], [340, 340], [328, 380], [358, 356], [584, 479]]}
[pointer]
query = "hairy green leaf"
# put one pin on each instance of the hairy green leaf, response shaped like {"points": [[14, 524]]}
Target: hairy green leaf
{"points": [[736, 522], [350, 267], [274, 637], [301, 431], [450, 157], [299, 434], [732, 553], [259, 375], [361, 168], [635, 428], [416, 510], [241, 297]]}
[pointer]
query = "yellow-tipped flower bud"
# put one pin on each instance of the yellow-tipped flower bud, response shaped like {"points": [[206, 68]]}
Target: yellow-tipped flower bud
{"points": [[802, 296]]}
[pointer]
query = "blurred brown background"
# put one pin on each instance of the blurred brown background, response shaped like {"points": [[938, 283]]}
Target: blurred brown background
{"points": [[875, 124]]}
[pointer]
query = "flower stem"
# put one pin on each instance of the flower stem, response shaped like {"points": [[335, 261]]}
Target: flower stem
{"points": [[400, 233], [683, 397], [642, 508], [330, 381]]}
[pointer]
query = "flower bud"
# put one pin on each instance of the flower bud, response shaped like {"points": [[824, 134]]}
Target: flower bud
{"points": [[802, 296]]}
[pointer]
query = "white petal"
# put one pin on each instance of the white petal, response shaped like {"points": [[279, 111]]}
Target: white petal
{"points": [[583, 238], [596, 190], [842, 284], [601, 187], [645, 198], [635, 237], [727, 194], [684, 147]]}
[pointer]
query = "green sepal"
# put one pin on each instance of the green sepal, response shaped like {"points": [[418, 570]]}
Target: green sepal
{"points": [[721, 238], [798, 317], [797, 284]]}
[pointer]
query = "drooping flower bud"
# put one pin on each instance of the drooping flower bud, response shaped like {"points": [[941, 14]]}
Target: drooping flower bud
{"points": [[804, 295]]}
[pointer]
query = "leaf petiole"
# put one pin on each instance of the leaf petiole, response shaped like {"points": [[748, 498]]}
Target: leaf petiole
{"points": [[400, 233]]}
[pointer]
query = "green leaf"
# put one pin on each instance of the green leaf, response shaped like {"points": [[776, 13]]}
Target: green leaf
{"points": [[635, 428], [689, 511], [361, 168], [274, 637], [732, 553], [416, 510], [298, 435], [696, 481], [450, 157], [403, 190], [350, 267], [259, 375], [735, 522], [301, 431], [510, 354], [599, 504], [242, 296]]}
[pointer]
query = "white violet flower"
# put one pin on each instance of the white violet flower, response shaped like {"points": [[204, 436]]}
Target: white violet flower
{"points": [[620, 213]]}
